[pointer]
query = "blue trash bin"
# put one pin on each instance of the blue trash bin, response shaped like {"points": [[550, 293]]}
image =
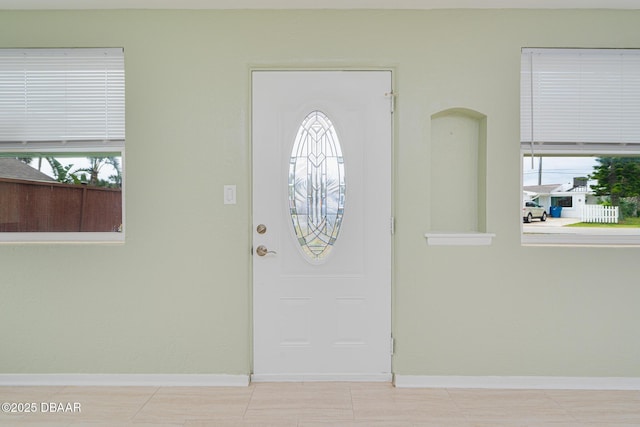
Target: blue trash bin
{"points": [[555, 211]]}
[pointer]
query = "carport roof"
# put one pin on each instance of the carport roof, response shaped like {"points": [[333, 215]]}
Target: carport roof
{"points": [[543, 189]]}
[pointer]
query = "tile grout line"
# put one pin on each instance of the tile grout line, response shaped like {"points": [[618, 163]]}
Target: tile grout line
{"points": [[145, 403], [353, 411], [561, 406], [246, 408], [460, 409]]}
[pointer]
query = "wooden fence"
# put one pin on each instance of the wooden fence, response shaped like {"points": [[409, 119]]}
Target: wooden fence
{"points": [[34, 206], [599, 213]]}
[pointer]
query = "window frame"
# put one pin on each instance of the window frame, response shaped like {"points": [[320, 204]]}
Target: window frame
{"points": [[70, 236], [112, 141], [559, 201], [559, 79], [577, 236]]}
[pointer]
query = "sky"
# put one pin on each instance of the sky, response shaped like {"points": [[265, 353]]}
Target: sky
{"points": [[556, 170], [77, 162]]}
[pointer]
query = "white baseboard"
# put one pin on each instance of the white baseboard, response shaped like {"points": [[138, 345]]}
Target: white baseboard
{"points": [[321, 377], [400, 381], [549, 383], [151, 380]]}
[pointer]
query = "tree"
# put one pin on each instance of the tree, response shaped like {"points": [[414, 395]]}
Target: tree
{"points": [[62, 173], [93, 171], [618, 178], [26, 160]]}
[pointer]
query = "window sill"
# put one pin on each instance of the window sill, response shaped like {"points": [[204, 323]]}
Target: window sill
{"points": [[574, 239], [459, 239]]}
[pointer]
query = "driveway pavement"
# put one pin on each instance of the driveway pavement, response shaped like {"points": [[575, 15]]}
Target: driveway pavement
{"points": [[553, 222]]}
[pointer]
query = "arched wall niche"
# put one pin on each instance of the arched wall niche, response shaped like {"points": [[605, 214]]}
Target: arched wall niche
{"points": [[458, 171]]}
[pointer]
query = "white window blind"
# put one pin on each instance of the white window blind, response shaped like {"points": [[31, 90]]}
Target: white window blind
{"points": [[61, 95], [580, 96]]}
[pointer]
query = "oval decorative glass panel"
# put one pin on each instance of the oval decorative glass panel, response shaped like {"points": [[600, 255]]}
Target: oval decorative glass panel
{"points": [[316, 186]]}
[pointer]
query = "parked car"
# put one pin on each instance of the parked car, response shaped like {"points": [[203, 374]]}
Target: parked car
{"points": [[532, 210]]}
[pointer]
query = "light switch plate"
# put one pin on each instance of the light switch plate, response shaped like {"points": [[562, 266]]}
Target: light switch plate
{"points": [[229, 194]]}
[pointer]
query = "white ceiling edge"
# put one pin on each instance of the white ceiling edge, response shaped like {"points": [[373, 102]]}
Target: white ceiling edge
{"points": [[318, 4]]}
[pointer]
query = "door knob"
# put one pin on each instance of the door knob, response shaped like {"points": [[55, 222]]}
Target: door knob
{"points": [[262, 250]]}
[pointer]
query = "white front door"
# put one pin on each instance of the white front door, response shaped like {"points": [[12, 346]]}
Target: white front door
{"points": [[321, 225]]}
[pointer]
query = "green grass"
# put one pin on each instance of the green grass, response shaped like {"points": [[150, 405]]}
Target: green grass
{"points": [[625, 223]]}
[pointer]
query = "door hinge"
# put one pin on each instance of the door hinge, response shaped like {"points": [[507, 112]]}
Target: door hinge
{"points": [[392, 346], [392, 95], [393, 225]]}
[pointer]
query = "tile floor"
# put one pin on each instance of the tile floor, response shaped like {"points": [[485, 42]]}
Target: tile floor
{"points": [[320, 405]]}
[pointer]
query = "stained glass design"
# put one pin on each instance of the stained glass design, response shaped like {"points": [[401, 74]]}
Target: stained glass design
{"points": [[316, 186]]}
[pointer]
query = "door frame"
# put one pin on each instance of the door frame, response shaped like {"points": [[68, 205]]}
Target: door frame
{"points": [[392, 159]]}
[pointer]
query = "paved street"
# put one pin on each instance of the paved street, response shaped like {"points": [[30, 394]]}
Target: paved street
{"points": [[557, 226]]}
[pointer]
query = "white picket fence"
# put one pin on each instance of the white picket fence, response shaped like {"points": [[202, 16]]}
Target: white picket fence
{"points": [[598, 213]]}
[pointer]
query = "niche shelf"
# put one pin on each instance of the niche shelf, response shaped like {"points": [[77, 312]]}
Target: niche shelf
{"points": [[458, 178]]}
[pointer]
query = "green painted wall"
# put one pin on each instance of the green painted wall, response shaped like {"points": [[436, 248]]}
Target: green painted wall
{"points": [[176, 297]]}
